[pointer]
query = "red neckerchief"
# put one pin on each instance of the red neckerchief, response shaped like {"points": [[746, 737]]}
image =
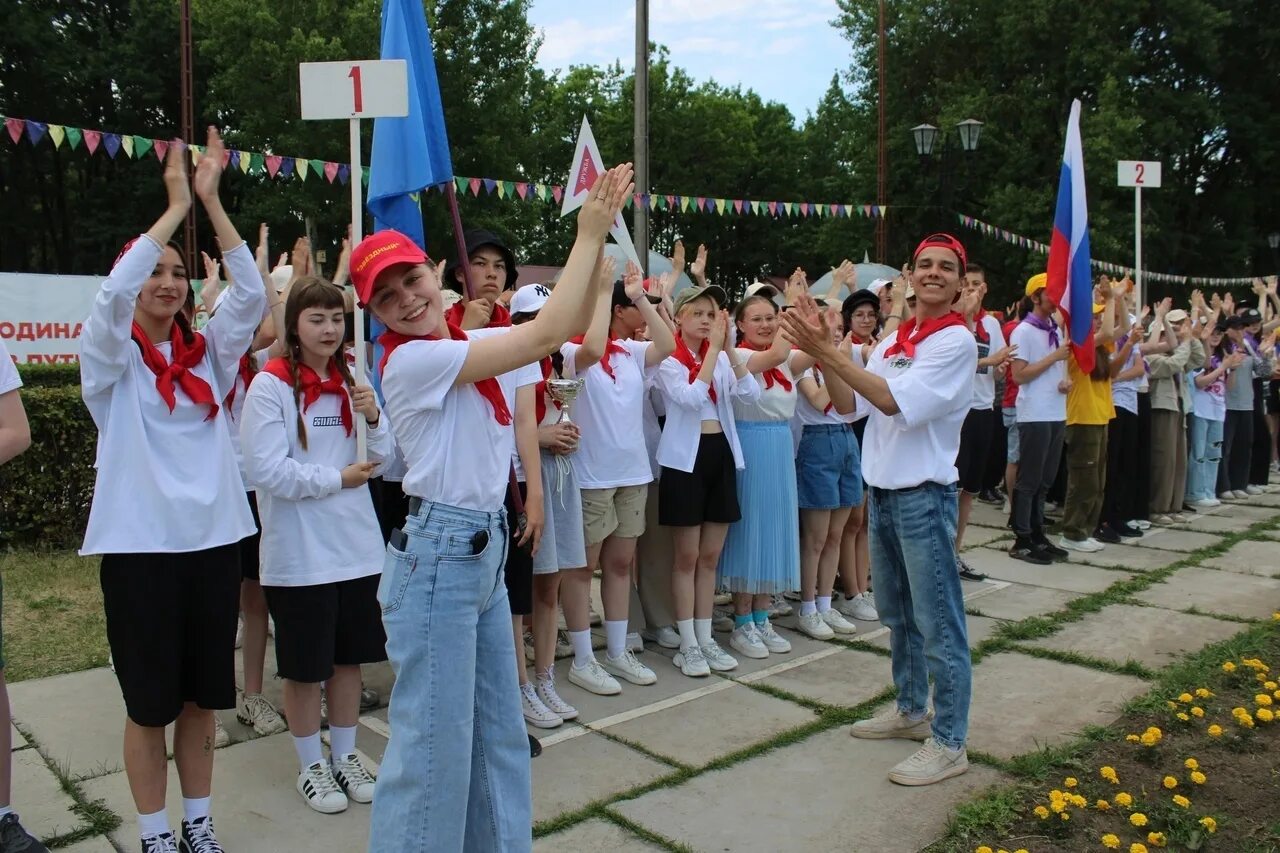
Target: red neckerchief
{"points": [[178, 370], [541, 390], [610, 349], [773, 374], [310, 386], [245, 374], [488, 388], [499, 317], [906, 342], [980, 331], [685, 356]]}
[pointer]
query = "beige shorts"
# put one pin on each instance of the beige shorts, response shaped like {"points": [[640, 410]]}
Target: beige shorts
{"points": [[614, 512]]}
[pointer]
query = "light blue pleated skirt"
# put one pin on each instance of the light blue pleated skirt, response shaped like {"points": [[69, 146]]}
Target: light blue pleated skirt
{"points": [[762, 553]]}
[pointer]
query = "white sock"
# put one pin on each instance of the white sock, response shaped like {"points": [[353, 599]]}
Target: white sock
{"points": [[195, 808], [583, 654], [308, 748], [808, 608], [156, 823], [823, 603], [342, 741], [702, 631], [688, 639], [616, 633]]}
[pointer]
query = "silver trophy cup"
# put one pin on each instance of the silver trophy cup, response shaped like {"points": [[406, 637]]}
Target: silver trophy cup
{"points": [[564, 392]]}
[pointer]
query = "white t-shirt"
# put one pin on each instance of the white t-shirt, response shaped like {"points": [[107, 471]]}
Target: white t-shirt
{"points": [[611, 451], [776, 403], [313, 530], [807, 415], [166, 481], [1209, 402], [9, 378], [261, 357], [550, 416], [933, 392], [1124, 395], [984, 380], [1039, 399], [457, 452]]}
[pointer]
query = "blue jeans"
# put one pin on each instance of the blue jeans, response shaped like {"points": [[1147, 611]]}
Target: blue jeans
{"points": [[918, 595], [1204, 447], [455, 776]]}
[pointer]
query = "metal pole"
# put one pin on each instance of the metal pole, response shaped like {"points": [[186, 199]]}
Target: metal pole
{"points": [[642, 132], [1137, 245], [186, 97], [882, 157], [357, 234]]}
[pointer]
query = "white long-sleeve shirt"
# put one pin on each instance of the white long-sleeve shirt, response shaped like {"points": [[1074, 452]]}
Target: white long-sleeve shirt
{"points": [[313, 530], [166, 481], [686, 402]]}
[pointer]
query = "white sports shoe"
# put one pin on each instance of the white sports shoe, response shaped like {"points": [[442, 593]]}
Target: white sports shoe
{"points": [[780, 607], [1252, 490], [836, 622], [722, 620], [691, 662], [634, 642], [1206, 503], [815, 626], [931, 763], [626, 666], [1088, 545], [666, 636], [773, 641], [747, 640], [321, 791], [1140, 523], [546, 689], [256, 711], [350, 773], [717, 658], [858, 607], [535, 713], [593, 679], [220, 736]]}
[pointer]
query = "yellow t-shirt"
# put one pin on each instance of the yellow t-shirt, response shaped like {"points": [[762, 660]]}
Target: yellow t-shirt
{"points": [[1089, 400]]}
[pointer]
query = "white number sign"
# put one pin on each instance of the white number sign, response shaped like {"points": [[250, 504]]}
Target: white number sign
{"points": [[1138, 173], [374, 88]]}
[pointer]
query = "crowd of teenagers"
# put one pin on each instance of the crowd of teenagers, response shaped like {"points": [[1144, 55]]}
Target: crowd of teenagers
{"points": [[796, 449]]}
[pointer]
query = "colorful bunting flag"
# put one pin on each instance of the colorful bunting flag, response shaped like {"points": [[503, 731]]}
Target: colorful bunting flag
{"points": [[57, 133]]}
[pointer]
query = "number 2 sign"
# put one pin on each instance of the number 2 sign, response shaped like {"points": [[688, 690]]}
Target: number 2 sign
{"points": [[1138, 173], [373, 88]]}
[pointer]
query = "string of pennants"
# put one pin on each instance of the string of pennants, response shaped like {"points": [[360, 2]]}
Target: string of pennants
{"points": [[1105, 266]]}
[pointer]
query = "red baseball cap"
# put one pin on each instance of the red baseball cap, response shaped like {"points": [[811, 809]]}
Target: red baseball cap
{"points": [[943, 241], [377, 252]]}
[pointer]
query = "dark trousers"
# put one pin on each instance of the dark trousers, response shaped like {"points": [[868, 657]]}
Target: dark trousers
{"points": [[996, 459], [1040, 448], [1086, 479], [1237, 451], [1142, 483], [1260, 459], [1124, 463]]}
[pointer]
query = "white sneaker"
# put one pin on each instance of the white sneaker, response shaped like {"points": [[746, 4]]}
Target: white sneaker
{"points": [[1140, 523], [722, 599], [858, 608], [564, 648], [593, 679], [163, 843], [528, 648], [1205, 503], [537, 714], [717, 658], [893, 724], [239, 631], [257, 712], [748, 641], [350, 773], [626, 666], [773, 641], [836, 622], [780, 607], [1252, 490], [666, 636], [931, 763], [815, 626], [722, 620], [1006, 509], [546, 689], [1086, 545], [634, 642], [321, 791], [220, 736], [791, 595], [691, 662]]}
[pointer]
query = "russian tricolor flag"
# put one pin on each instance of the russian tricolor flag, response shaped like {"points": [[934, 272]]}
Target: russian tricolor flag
{"points": [[1070, 284]]}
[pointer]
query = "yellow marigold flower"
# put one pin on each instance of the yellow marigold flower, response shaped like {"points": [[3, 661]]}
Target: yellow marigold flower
{"points": [[1210, 825], [1041, 812], [1246, 721], [1173, 706], [1070, 782], [1181, 801], [1260, 678], [1111, 841], [1198, 777], [1020, 850], [1170, 782], [1204, 692], [1056, 796], [1109, 773], [1262, 699], [1276, 616], [1239, 712], [1276, 694], [1197, 711], [1215, 730], [1185, 697], [1123, 799], [1135, 847], [1156, 839], [1065, 816], [1148, 739], [1228, 667], [1183, 717], [1102, 806], [1154, 732], [1131, 738], [1269, 685], [1138, 819], [1057, 806], [1266, 715], [1079, 802], [984, 849], [1191, 764]]}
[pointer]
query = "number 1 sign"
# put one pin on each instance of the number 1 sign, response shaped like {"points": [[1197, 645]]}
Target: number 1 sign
{"points": [[1138, 174]]}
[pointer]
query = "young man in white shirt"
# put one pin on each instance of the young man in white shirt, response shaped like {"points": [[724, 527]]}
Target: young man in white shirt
{"points": [[918, 386]]}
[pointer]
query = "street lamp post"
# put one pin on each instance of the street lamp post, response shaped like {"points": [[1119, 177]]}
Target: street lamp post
{"points": [[926, 137]]}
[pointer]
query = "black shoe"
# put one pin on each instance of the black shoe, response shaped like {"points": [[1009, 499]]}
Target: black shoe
{"points": [[990, 496], [535, 748], [1027, 551], [1104, 533], [967, 572], [1128, 531], [198, 837], [1053, 552], [162, 843], [16, 839]]}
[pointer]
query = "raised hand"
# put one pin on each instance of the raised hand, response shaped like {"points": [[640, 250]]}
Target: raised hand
{"points": [[301, 257], [698, 269], [719, 330], [1163, 307], [343, 268], [209, 169], [262, 253], [176, 183], [1259, 287], [209, 289], [604, 202], [677, 259], [633, 282], [1229, 304], [842, 274], [805, 326], [607, 268]]}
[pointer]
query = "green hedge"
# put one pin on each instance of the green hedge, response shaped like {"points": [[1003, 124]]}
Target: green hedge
{"points": [[45, 492]]}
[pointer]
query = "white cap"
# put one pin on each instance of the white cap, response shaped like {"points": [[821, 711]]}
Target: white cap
{"points": [[756, 287], [530, 299], [878, 284], [280, 276]]}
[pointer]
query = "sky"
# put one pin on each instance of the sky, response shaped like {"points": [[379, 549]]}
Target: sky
{"points": [[785, 50]]}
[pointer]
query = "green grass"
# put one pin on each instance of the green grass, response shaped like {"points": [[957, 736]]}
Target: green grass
{"points": [[53, 619]]}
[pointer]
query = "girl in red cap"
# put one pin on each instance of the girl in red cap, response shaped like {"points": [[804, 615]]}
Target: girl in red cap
{"points": [[168, 503], [455, 775]]}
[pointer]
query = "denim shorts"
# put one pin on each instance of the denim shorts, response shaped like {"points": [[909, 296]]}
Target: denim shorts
{"points": [[828, 468], [1010, 415]]}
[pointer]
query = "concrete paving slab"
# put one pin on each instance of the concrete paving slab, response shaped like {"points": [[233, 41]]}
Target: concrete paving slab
{"points": [[1212, 591], [1181, 539], [1021, 601], [595, 834], [97, 844], [1220, 523], [802, 646], [979, 629], [1252, 509], [845, 678], [39, 799], [591, 708], [1130, 557], [1015, 694], [1271, 499], [571, 774], [16, 738], [83, 736], [988, 515], [977, 535], [708, 813], [1149, 635], [697, 731], [1250, 557], [1068, 576]]}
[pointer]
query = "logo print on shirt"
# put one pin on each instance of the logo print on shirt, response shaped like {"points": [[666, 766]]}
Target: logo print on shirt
{"points": [[322, 421], [900, 363]]}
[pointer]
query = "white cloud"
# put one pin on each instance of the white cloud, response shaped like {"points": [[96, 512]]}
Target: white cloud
{"points": [[783, 46], [574, 41]]}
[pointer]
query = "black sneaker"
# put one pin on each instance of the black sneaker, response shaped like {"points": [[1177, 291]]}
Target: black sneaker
{"points": [[1053, 552], [535, 748], [967, 572], [1104, 533], [1128, 531], [1027, 551], [163, 843], [198, 837], [990, 496], [15, 839]]}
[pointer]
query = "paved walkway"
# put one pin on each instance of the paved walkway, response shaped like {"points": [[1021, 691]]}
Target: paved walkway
{"points": [[761, 760]]}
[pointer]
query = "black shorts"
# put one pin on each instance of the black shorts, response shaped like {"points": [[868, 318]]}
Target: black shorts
{"points": [[708, 493], [390, 504], [1273, 397], [518, 572], [249, 545], [171, 625], [975, 445], [326, 625]]}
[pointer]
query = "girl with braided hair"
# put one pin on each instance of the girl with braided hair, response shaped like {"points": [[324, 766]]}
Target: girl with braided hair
{"points": [[321, 554]]}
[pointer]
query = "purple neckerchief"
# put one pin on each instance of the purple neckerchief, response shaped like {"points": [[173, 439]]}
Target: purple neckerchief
{"points": [[1044, 326]]}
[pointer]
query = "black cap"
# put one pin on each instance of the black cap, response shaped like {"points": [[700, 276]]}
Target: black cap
{"points": [[860, 297], [475, 240], [1251, 316], [1236, 322]]}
